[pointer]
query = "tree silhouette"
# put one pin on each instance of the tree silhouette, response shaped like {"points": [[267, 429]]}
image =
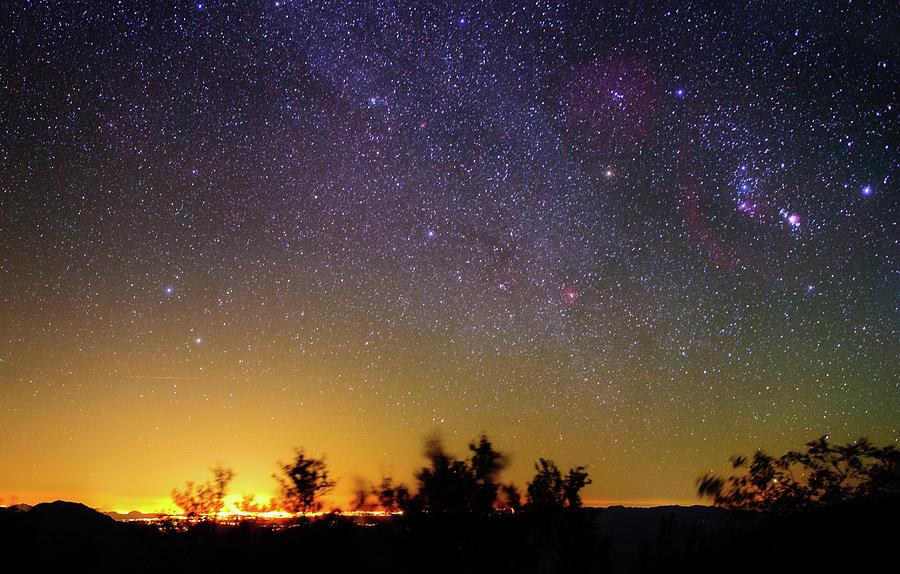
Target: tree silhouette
{"points": [[362, 497], [385, 494], [392, 497], [550, 490], [821, 475], [304, 480], [205, 500], [575, 480], [446, 485], [512, 498], [486, 464], [545, 489], [450, 485]]}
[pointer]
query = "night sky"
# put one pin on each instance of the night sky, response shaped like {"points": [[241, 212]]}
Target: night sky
{"points": [[640, 239]]}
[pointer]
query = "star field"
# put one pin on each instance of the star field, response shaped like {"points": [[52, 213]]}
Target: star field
{"points": [[635, 238]]}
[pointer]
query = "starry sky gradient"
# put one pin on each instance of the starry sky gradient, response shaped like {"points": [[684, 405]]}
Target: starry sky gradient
{"points": [[636, 238]]}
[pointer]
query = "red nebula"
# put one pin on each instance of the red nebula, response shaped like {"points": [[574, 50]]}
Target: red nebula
{"points": [[570, 295]]}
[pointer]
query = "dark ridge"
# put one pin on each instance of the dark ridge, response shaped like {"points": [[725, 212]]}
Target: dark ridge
{"points": [[70, 536]]}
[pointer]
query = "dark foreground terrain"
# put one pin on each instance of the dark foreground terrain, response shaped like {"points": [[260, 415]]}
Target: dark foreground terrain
{"points": [[853, 537]]}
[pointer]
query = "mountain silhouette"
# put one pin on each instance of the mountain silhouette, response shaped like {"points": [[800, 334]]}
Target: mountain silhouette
{"points": [[52, 534], [61, 514], [133, 515]]}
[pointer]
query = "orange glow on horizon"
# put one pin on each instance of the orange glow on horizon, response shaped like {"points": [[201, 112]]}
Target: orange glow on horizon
{"points": [[329, 504]]}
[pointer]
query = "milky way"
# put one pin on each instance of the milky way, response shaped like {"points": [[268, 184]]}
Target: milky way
{"points": [[640, 239]]}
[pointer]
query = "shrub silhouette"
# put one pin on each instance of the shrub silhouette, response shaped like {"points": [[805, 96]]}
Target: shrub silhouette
{"points": [[205, 500], [550, 490], [393, 497], [447, 485], [303, 481], [249, 504], [486, 465], [362, 497], [821, 475], [512, 498], [450, 485]]}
